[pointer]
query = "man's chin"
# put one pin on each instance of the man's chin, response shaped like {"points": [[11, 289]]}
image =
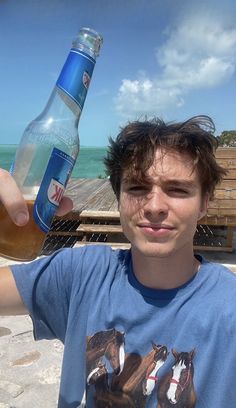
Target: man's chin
{"points": [[154, 250]]}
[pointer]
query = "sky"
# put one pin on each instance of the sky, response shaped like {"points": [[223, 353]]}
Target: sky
{"points": [[173, 59]]}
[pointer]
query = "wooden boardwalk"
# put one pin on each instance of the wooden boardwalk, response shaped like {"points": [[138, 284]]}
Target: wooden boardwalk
{"points": [[91, 195]]}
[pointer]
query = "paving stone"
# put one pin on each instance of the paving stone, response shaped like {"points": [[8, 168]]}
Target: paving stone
{"points": [[27, 359], [13, 389], [4, 331]]}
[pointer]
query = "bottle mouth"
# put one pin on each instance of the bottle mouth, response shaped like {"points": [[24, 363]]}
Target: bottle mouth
{"points": [[90, 40]]}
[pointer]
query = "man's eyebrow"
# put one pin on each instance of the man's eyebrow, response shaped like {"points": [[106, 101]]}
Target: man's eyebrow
{"points": [[132, 180], [171, 182], [181, 182]]}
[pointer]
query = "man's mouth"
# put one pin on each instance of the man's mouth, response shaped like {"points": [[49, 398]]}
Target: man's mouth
{"points": [[156, 229]]}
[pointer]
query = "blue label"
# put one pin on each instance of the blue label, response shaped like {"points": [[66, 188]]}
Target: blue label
{"points": [[52, 188], [75, 76]]}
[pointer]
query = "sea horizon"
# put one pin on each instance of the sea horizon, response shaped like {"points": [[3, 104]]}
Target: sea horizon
{"points": [[89, 163]]}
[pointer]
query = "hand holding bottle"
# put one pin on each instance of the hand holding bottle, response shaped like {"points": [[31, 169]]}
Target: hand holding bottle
{"points": [[12, 199]]}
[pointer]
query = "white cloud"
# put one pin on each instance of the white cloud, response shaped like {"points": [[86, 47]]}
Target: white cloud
{"points": [[199, 53]]}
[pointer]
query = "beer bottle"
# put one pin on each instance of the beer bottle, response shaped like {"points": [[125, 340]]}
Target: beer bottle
{"points": [[48, 150]]}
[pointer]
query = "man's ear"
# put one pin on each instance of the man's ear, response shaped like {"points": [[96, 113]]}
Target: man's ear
{"points": [[204, 206]]}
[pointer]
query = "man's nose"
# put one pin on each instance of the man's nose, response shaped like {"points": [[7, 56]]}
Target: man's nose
{"points": [[156, 203]]}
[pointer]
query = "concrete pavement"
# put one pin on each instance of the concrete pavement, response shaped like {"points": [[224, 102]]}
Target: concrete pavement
{"points": [[29, 370]]}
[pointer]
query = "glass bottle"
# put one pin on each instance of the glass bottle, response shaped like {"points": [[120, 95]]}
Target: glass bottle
{"points": [[48, 150]]}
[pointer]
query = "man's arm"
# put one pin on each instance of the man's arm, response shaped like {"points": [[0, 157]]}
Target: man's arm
{"points": [[10, 299], [12, 199]]}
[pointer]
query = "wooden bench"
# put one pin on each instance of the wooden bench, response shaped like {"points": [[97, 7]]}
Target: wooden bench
{"points": [[99, 222]]}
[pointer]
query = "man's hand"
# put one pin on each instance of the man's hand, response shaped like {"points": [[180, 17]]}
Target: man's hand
{"points": [[66, 205], [13, 201]]}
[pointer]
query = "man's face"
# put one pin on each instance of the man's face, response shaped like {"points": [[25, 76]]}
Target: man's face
{"points": [[159, 217]]}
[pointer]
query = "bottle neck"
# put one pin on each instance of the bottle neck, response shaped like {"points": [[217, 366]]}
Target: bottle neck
{"points": [[88, 41], [74, 79]]}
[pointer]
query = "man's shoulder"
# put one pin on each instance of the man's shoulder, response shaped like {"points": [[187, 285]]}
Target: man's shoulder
{"points": [[220, 273], [222, 284], [102, 257]]}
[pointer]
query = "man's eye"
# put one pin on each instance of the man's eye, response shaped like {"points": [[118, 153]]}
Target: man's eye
{"points": [[178, 190], [134, 188], [137, 189]]}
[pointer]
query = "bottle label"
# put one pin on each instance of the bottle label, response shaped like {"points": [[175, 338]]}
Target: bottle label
{"points": [[52, 188], [75, 76]]}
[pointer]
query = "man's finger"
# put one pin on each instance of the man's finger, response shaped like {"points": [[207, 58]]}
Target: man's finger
{"points": [[12, 199], [66, 205]]}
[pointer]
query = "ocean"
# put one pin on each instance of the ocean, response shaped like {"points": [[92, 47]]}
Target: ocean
{"points": [[89, 163]]}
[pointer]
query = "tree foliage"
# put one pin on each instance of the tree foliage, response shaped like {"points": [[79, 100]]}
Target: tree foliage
{"points": [[227, 138]]}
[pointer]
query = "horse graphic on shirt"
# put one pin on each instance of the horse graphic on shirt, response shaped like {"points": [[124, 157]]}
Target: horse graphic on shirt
{"points": [[104, 397], [176, 388], [139, 375], [107, 344]]}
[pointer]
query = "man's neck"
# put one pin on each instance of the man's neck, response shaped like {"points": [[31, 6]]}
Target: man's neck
{"points": [[164, 272]]}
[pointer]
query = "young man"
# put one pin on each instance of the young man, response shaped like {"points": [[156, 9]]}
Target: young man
{"points": [[154, 326]]}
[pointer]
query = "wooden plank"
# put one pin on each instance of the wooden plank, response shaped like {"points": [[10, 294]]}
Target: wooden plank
{"points": [[225, 194], [227, 163], [222, 212], [95, 201], [76, 187], [100, 201], [228, 152], [231, 174], [81, 193], [100, 214], [75, 183], [100, 228], [227, 184], [218, 220], [213, 248], [65, 233], [223, 203]]}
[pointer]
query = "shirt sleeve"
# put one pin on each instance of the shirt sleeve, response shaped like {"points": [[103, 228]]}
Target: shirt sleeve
{"points": [[45, 287]]}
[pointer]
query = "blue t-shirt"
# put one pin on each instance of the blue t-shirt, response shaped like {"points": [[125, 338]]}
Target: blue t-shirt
{"points": [[130, 346]]}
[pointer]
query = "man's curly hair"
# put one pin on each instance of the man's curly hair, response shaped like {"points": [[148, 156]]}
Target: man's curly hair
{"points": [[134, 148]]}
